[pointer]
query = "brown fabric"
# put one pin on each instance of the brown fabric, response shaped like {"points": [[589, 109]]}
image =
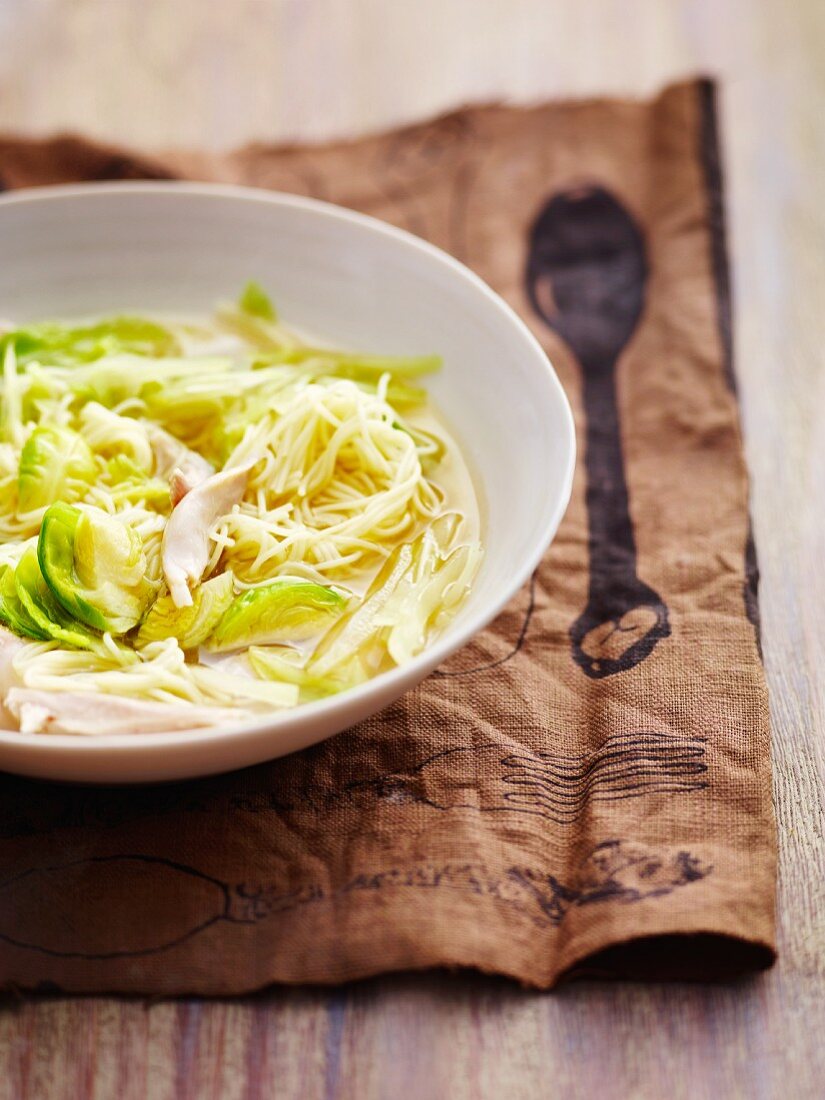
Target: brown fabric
{"points": [[562, 796]]}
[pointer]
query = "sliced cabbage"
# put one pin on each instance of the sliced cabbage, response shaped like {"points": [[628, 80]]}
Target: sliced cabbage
{"points": [[240, 686], [255, 301], [355, 365], [399, 393], [362, 638], [356, 639], [54, 343], [192, 410], [55, 463], [129, 483], [110, 434], [11, 413], [12, 612], [366, 370], [120, 378], [39, 601], [254, 318], [437, 585], [190, 625], [288, 666], [191, 407], [288, 609], [95, 566]]}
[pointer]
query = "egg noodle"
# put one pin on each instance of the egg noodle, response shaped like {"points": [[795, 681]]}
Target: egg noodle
{"points": [[201, 521]]}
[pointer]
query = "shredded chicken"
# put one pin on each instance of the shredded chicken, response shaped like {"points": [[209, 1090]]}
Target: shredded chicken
{"points": [[185, 548], [97, 713], [183, 480], [173, 460], [10, 645]]}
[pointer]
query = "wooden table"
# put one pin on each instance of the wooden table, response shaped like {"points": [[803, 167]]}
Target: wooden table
{"points": [[217, 73]]}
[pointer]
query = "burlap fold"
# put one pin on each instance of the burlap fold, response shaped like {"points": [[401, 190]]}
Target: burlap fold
{"points": [[586, 787]]}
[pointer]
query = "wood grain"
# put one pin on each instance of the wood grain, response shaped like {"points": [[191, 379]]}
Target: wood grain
{"points": [[143, 71]]}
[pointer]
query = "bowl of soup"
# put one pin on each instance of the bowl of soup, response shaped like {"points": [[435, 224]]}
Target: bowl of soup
{"points": [[265, 463]]}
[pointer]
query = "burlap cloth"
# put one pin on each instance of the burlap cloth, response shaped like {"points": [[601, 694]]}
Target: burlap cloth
{"points": [[561, 797]]}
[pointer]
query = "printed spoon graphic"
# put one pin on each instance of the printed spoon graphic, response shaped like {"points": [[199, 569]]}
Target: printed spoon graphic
{"points": [[586, 278]]}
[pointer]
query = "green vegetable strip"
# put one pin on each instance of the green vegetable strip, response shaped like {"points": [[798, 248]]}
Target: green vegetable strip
{"points": [[255, 301], [351, 365], [12, 405]]}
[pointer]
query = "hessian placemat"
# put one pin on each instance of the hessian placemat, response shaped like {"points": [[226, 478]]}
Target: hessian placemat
{"points": [[586, 788]]}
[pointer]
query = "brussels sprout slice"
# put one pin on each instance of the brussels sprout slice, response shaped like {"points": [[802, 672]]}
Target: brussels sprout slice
{"points": [[288, 609], [12, 612], [95, 566], [190, 625], [54, 463], [38, 600]]}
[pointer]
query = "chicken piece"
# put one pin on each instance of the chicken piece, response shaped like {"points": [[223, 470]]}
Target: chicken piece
{"points": [[183, 480], [10, 646], [185, 546], [97, 713], [184, 468]]}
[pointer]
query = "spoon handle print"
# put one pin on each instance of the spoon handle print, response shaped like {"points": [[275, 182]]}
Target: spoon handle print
{"points": [[586, 278]]}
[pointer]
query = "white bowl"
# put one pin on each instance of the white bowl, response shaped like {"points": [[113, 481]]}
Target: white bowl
{"points": [[356, 282]]}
